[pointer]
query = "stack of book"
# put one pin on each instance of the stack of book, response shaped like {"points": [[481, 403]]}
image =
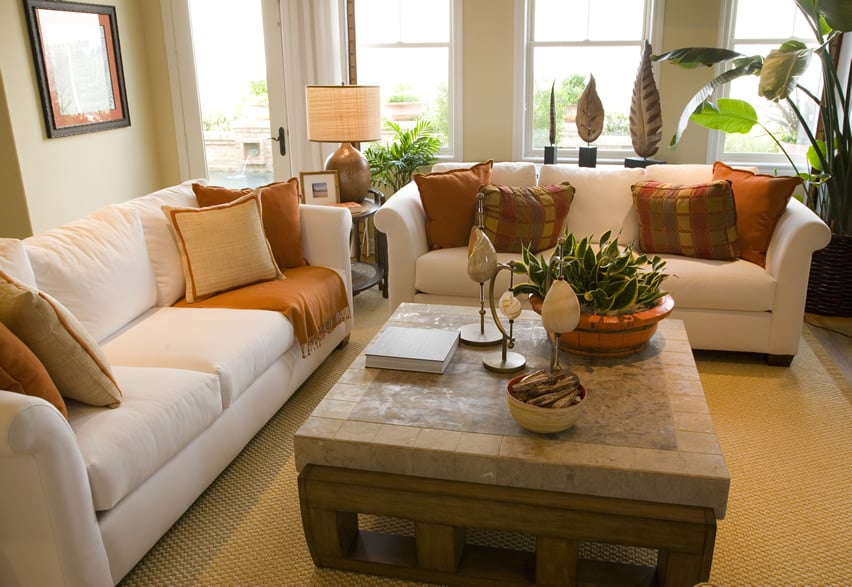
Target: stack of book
{"points": [[412, 349]]}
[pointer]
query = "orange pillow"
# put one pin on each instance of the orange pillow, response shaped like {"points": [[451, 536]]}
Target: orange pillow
{"points": [[280, 211], [22, 372], [759, 200], [449, 200]]}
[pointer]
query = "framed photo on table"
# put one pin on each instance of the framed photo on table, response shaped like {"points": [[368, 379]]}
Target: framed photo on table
{"points": [[77, 60], [320, 187]]}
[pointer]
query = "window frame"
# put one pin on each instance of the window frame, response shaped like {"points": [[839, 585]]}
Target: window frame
{"points": [[454, 148], [522, 148], [765, 162]]}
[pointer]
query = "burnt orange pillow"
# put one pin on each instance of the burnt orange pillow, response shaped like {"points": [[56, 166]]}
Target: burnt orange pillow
{"points": [[22, 372], [449, 200], [759, 200], [280, 211]]}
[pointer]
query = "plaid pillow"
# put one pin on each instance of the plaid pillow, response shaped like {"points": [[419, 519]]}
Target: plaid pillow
{"points": [[530, 215], [691, 220]]}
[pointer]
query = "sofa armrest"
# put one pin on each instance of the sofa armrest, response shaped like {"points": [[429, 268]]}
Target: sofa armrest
{"points": [[797, 235], [403, 221], [49, 533], [325, 239]]}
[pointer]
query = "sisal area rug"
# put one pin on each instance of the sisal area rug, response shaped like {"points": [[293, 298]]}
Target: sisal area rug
{"points": [[786, 435]]}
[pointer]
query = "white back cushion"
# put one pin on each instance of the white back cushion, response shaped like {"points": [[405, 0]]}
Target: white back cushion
{"points": [[97, 267], [14, 261], [502, 173], [603, 199], [682, 174]]}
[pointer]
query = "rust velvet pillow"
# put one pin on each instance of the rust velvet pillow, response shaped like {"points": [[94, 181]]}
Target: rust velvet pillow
{"points": [[280, 212], [22, 372], [525, 215], [760, 200], [691, 220], [449, 200]]}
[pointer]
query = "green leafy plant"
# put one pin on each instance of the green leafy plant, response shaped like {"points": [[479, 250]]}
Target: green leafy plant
{"points": [[829, 179], [392, 164], [607, 280], [403, 93]]}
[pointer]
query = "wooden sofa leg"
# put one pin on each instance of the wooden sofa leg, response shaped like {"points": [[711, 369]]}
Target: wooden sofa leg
{"points": [[779, 360], [345, 341]]}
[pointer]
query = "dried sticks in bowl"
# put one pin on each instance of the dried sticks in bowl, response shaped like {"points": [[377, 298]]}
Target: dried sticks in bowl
{"points": [[559, 389]]}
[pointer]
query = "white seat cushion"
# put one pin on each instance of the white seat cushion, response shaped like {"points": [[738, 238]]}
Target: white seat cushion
{"points": [[163, 410], [718, 285], [236, 345]]}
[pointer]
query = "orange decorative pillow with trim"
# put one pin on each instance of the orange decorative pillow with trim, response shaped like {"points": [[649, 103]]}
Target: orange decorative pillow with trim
{"points": [[22, 372], [449, 200], [280, 212], [760, 200]]}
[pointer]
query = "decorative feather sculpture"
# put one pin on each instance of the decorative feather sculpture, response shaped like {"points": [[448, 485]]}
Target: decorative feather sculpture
{"points": [[590, 113], [553, 114], [646, 120]]}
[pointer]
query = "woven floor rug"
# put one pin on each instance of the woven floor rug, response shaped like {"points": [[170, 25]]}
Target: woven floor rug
{"points": [[786, 435]]}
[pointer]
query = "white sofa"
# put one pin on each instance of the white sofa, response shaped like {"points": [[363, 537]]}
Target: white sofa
{"points": [[83, 500], [725, 305]]}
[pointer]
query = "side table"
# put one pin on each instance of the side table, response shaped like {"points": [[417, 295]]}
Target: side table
{"points": [[364, 274]]}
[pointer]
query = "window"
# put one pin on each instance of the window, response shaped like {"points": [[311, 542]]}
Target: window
{"points": [[564, 43], [411, 52], [748, 31]]}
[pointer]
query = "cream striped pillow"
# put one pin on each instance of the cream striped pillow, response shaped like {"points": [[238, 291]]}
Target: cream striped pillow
{"points": [[222, 247]]}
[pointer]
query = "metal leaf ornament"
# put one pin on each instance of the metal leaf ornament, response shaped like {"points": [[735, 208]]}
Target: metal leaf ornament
{"points": [[646, 120], [590, 113], [553, 114]]}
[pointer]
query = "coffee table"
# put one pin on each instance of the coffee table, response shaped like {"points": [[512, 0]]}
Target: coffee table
{"points": [[642, 466]]}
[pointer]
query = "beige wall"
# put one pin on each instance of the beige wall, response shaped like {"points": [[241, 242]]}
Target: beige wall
{"points": [[48, 182], [65, 178]]}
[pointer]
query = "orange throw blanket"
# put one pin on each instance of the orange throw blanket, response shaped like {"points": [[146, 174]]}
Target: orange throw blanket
{"points": [[312, 298]]}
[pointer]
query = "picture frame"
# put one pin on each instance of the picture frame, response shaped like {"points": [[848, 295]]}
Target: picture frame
{"points": [[77, 58], [320, 187]]}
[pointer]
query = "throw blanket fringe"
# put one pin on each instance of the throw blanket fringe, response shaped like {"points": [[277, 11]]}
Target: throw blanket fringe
{"points": [[312, 298]]}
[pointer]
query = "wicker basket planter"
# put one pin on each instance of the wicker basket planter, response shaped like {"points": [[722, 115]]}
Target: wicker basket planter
{"points": [[830, 282]]}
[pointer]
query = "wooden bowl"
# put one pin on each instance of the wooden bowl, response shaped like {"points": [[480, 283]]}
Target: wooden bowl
{"points": [[543, 420]]}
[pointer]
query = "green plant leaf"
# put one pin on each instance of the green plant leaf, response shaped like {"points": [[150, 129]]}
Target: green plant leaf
{"points": [[781, 70], [728, 115]]}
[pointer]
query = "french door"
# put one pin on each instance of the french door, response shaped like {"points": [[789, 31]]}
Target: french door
{"points": [[229, 67]]}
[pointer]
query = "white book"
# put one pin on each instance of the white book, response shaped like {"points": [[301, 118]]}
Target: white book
{"points": [[412, 349]]}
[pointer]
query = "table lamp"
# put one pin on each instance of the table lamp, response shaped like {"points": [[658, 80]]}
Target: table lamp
{"points": [[345, 114]]}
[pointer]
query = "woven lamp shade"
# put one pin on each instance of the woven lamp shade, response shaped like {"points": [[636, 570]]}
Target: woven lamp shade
{"points": [[343, 114]]}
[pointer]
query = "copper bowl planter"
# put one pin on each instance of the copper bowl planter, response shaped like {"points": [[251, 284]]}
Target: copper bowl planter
{"points": [[612, 336]]}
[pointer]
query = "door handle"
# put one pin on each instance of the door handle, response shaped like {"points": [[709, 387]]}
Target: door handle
{"points": [[282, 140]]}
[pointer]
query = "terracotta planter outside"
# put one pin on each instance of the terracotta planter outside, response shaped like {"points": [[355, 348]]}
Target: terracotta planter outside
{"points": [[611, 336]]}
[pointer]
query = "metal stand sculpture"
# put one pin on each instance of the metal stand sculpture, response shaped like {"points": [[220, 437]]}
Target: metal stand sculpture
{"points": [[505, 361], [481, 264]]}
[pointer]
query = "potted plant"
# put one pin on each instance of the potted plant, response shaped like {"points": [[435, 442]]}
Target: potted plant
{"points": [[403, 103], [619, 292], [392, 164], [828, 180]]}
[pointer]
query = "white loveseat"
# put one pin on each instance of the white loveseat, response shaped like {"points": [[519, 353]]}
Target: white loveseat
{"points": [[725, 305], [82, 500]]}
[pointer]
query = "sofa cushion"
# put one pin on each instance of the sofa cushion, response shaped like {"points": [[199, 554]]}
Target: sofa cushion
{"points": [[729, 286], [222, 247], [683, 173], [162, 412], [73, 359], [15, 262], [694, 220], [236, 345], [449, 200], [525, 215], [760, 201], [97, 267], [502, 172], [162, 247], [281, 222], [22, 372], [603, 200]]}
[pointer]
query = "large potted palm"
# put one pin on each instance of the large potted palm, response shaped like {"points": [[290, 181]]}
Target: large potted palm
{"points": [[828, 178], [392, 164]]}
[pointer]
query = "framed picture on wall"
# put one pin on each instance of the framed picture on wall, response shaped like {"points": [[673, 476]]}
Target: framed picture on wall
{"points": [[320, 187], [77, 60]]}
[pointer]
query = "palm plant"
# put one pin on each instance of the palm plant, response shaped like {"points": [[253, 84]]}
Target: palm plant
{"points": [[394, 163], [829, 179]]}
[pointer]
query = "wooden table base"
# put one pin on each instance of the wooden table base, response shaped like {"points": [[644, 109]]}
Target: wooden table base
{"points": [[332, 497]]}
